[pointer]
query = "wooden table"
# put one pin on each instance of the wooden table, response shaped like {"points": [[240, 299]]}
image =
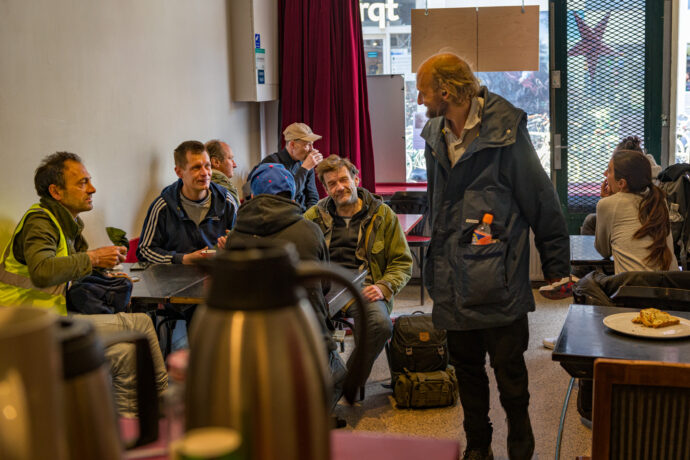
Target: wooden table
{"points": [[409, 221], [584, 338], [582, 252]]}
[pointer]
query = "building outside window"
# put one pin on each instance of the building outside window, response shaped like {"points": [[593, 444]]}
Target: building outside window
{"points": [[386, 26], [682, 144]]}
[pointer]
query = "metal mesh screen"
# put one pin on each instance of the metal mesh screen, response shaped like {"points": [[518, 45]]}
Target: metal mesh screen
{"points": [[605, 89]]}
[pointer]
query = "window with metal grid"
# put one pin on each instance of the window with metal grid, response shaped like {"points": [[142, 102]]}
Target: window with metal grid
{"points": [[606, 89]]}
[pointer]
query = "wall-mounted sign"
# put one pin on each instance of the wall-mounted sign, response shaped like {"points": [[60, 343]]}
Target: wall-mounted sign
{"points": [[260, 55], [378, 12], [257, 40]]}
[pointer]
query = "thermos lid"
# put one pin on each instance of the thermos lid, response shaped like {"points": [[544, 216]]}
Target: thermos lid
{"points": [[82, 351], [260, 277]]}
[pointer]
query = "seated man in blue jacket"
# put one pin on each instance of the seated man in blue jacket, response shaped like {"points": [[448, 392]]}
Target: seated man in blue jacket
{"points": [[300, 158], [189, 215]]}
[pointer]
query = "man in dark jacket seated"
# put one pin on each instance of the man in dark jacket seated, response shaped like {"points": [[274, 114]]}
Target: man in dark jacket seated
{"points": [[300, 158], [273, 215]]}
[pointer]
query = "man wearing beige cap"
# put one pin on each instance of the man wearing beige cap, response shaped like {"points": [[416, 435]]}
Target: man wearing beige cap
{"points": [[299, 157]]}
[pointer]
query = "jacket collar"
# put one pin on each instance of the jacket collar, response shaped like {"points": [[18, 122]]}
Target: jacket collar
{"points": [[286, 159], [370, 202], [70, 226], [499, 126], [171, 195]]}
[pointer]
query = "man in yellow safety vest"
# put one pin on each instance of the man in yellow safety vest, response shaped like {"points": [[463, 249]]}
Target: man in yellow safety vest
{"points": [[47, 251]]}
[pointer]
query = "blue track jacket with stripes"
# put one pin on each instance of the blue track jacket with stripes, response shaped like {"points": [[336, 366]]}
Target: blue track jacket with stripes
{"points": [[168, 234]]}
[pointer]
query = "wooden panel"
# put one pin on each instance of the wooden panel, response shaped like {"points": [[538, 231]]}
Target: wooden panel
{"points": [[508, 38], [444, 29]]}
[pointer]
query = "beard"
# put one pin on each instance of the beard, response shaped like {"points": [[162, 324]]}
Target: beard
{"points": [[438, 111], [347, 199]]}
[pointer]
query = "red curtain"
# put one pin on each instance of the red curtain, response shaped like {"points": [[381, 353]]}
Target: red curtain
{"points": [[323, 78]]}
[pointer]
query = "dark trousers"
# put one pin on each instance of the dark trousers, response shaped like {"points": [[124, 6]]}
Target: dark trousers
{"points": [[505, 345]]}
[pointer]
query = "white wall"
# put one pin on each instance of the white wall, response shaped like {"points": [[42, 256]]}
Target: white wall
{"points": [[121, 83]]}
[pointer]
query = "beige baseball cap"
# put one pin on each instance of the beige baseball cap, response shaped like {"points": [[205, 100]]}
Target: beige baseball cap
{"points": [[300, 131]]}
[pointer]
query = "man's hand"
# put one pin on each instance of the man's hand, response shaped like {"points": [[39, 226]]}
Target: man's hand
{"points": [[605, 190], [189, 259], [372, 293], [107, 256], [222, 241], [313, 159]]}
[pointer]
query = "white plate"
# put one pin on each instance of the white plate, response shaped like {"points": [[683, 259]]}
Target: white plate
{"points": [[622, 322]]}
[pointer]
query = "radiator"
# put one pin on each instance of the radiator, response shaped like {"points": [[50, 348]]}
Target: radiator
{"points": [[535, 273]]}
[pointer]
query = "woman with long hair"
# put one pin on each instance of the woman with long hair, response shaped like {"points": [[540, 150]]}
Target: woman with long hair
{"points": [[632, 217]]}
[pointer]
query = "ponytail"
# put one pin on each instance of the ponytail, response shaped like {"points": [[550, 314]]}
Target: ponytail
{"points": [[653, 215]]}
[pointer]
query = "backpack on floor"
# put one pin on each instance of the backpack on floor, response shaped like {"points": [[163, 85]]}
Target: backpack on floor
{"points": [[416, 346], [426, 389]]}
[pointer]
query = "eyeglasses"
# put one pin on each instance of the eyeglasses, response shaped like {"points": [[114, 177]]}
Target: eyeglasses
{"points": [[306, 143]]}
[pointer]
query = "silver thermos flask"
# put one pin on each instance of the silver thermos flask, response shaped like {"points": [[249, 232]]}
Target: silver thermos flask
{"points": [[257, 360]]}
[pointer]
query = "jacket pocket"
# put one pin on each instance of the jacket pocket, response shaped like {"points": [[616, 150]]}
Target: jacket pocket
{"points": [[482, 274]]}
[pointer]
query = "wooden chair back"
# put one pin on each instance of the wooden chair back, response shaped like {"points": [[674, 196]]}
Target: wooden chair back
{"points": [[641, 410]]}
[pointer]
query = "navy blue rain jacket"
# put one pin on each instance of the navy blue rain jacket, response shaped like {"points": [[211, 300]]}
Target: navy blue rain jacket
{"points": [[168, 234], [478, 287]]}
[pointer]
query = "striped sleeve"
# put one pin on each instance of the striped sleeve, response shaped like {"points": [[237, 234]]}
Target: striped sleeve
{"points": [[152, 235]]}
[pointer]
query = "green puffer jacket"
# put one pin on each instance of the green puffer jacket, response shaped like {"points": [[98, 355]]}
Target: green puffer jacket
{"points": [[381, 248]]}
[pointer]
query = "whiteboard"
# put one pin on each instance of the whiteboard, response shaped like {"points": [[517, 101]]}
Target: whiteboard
{"points": [[387, 117]]}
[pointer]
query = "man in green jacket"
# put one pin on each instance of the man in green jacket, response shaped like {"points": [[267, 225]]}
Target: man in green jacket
{"points": [[223, 166], [47, 251], [363, 233]]}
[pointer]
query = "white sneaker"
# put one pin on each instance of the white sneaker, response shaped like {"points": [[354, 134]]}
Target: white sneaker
{"points": [[549, 342]]}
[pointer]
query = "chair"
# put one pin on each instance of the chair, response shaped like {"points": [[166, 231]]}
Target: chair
{"points": [[415, 203], [641, 410], [132, 251]]}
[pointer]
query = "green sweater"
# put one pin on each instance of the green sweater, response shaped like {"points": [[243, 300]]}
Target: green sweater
{"points": [[382, 248], [224, 181], [36, 246]]}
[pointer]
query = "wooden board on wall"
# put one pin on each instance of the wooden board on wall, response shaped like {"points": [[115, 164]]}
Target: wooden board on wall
{"points": [[444, 29], [508, 38]]}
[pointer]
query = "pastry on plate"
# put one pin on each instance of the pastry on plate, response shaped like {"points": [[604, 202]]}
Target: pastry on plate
{"points": [[651, 317]]}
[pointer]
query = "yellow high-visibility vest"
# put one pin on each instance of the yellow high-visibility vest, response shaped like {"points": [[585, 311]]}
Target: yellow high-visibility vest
{"points": [[16, 288]]}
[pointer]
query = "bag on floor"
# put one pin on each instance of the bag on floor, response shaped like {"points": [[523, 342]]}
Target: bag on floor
{"points": [[426, 389], [417, 346]]}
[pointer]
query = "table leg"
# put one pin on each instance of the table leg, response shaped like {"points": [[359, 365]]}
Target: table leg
{"points": [[560, 425]]}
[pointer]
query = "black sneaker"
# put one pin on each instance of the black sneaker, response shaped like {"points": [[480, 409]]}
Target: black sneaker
{"points": [[478, 454]]}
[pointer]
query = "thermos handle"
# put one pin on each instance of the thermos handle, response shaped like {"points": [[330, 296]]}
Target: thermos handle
{"points": [[147, 396], [313, 271]]}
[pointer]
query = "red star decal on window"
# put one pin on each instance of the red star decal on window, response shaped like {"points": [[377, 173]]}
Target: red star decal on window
{"points": [[591, 44]]}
